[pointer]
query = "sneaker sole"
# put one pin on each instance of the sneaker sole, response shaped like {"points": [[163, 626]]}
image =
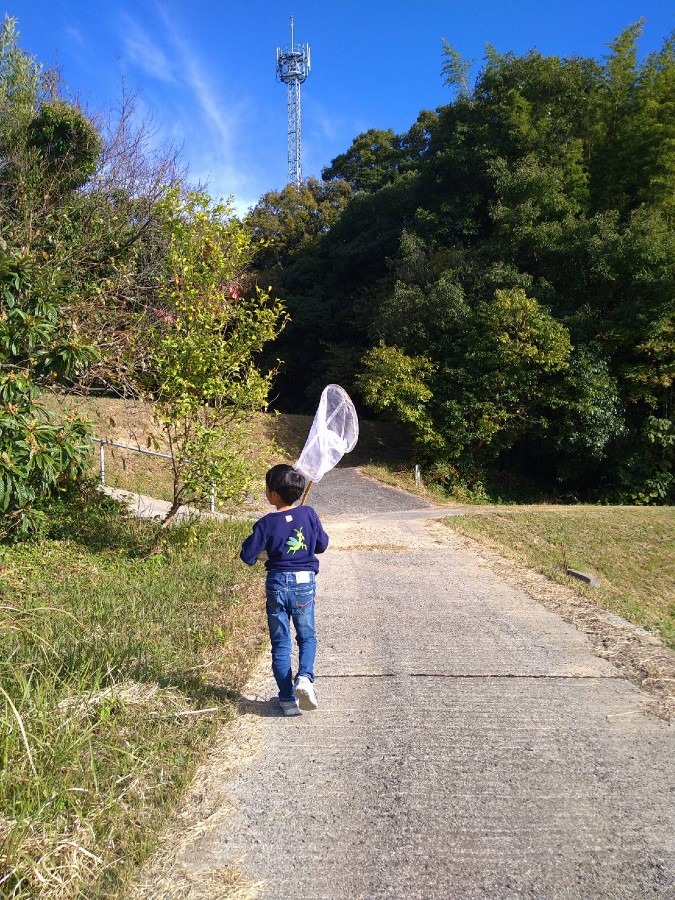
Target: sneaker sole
{"points": [[305, 700]]}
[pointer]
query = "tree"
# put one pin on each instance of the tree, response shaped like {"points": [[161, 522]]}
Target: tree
{"points": [[537, 205], [371, 162], [455, 69], [203, 374], [394, 382], [285, 223], [39, 454], [289, 228], [490, 390], [79, 196], [47, 150]]}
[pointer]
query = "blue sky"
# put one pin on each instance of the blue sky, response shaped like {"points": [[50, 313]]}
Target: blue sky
{"points": [[205, 71]]}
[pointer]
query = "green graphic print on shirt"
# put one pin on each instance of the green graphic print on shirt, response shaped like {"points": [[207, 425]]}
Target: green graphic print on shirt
{"points": [[296, 543]]}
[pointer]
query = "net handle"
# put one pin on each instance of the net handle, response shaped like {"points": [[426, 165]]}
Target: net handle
{"points": [[307, 490]]}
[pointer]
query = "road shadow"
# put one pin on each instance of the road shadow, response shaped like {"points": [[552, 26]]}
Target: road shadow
{"points": [[257, 706]]}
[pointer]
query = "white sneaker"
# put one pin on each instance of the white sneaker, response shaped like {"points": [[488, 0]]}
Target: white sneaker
{"points": [[305, 692], [290, 707]]}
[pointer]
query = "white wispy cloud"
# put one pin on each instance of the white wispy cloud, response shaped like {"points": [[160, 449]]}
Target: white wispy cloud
{"points": [[75, 35], [194, 107], [325, 123], [213, 123], [144, 52]]}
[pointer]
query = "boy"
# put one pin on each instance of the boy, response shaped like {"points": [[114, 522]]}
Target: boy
{"points": [[291, 537]]}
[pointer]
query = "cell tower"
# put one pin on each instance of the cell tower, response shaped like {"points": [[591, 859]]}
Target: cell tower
{"points": [[293, 69]]}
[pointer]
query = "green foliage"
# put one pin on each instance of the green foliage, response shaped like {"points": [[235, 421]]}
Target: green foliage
{"points": [[66, 142], [49, 147], [515, 347], [203, 368], [518, 240], [79, 199], [21, 79], [587, 412], [371, 162], [39, 455], [289, 229], [285, 222], [455, 70], [494, 392], [518, 333], [396, 382]]}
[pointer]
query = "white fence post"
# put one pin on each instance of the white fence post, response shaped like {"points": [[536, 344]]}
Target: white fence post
{"points": [[101, 457]]}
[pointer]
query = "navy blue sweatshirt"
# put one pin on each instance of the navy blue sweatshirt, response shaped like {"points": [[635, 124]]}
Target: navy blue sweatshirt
{"points": [[292, 538]]}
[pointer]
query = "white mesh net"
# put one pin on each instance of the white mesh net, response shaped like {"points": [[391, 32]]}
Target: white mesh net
{"points": [[334, 432]]}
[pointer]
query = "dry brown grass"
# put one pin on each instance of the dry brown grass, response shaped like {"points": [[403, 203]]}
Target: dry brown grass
{"points": [[216, 884], [279, 437], [57, 862], [132, 422], [176, 870]]}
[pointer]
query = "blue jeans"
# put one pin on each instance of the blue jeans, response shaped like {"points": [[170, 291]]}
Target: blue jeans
{"points": [[290, 597]]}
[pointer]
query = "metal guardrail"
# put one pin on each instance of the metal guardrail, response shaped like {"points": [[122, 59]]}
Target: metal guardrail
{"points": [[102, 442]]}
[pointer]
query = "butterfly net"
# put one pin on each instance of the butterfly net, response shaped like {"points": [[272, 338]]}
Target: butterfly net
{"points": [[334, 432]]}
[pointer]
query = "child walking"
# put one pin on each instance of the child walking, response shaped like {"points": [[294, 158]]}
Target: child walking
{"points": [[291, 537]]}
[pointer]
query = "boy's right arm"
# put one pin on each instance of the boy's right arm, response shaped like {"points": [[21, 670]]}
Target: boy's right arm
{"points": [[252, 546]]}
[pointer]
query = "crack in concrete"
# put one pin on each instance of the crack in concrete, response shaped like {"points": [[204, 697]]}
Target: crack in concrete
{"points": [[469, 675]]}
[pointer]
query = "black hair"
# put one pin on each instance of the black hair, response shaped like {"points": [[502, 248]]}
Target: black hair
{"points": [[286, 482]]}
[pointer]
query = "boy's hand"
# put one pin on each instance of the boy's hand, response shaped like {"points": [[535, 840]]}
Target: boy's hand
{"points": [[262, 556]]}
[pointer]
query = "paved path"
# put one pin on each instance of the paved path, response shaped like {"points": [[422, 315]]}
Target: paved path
{"points": [[468, 744]]}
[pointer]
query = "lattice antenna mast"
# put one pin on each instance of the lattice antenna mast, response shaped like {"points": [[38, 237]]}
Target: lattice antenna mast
{"points": [[293, 69]]}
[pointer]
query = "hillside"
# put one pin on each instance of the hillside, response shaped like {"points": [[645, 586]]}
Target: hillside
{"points": [[131, 422]]}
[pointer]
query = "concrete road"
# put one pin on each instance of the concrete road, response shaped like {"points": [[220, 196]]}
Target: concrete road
{"points": [[468, 744]]}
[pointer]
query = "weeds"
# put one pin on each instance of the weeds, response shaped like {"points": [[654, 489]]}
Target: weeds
{"points": [[109, 658]]}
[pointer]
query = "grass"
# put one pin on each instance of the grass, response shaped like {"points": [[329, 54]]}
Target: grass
{"points": [[109, 655], [630, 549]]}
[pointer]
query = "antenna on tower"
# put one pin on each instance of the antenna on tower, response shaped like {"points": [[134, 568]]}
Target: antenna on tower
{"points": [[293, 68]]}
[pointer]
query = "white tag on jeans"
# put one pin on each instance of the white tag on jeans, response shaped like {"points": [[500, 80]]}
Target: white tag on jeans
{"points": [[302, 577]]}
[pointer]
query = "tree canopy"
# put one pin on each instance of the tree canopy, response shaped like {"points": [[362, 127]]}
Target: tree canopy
{"points": [[501, 280]]}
